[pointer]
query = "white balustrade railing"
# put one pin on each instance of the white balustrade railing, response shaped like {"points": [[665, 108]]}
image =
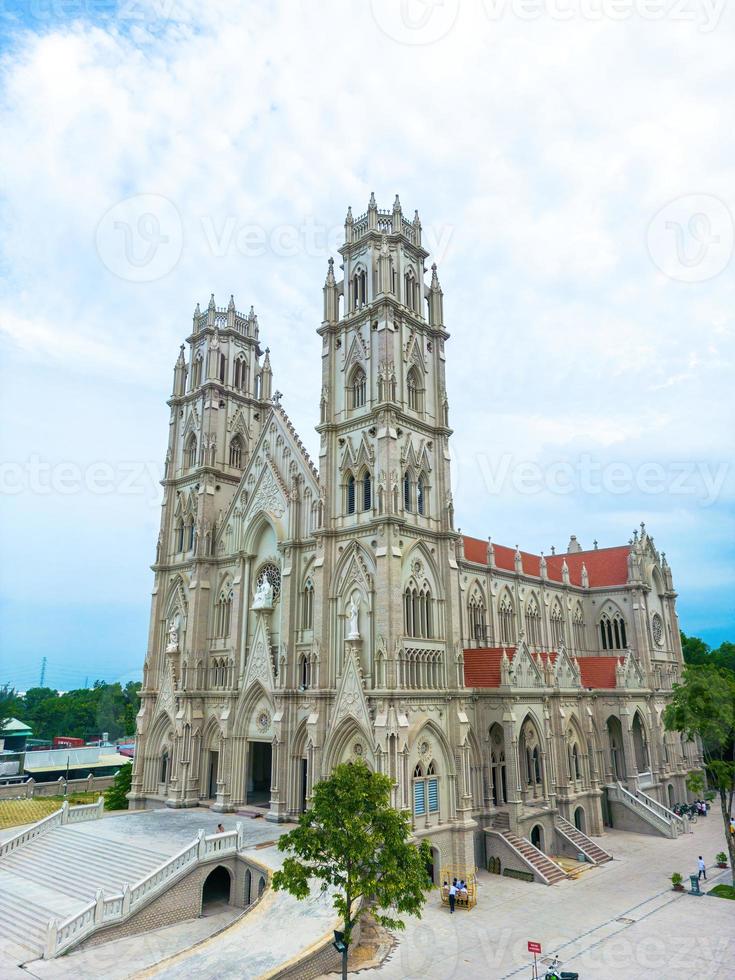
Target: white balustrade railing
{"points": [[649, 809], [66, 814], [109, 911], [663, 811]]}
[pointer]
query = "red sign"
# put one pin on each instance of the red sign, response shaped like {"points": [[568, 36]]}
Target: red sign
{"points": [[534, 947]]}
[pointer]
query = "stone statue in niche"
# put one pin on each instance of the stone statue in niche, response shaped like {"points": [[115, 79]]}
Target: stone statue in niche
{"points": [[173, 635], [353, 611], [263, 595]]}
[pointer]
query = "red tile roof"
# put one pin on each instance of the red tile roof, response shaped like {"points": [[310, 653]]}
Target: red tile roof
{"points": [[482, 666], [598, 672], [605, 566]]}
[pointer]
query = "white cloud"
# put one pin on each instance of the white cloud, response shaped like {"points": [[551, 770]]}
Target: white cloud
{"points": [[541, 151]]}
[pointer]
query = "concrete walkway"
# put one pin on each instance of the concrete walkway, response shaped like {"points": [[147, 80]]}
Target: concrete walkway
{"points": [[621, 919]]}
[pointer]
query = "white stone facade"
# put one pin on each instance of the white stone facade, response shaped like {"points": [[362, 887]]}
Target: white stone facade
{"points": [[301, 618]]}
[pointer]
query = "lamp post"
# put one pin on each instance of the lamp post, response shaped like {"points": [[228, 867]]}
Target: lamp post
{"points": [[341, 946]]}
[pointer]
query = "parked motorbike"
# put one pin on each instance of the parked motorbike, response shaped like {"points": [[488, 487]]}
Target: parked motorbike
{"points": [[555, 972]]}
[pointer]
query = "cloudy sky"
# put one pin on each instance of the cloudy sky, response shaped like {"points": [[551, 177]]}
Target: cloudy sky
{"points": [[572, 164]]}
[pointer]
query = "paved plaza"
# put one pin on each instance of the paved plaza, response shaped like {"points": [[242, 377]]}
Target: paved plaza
{"points": [[621, 919]]}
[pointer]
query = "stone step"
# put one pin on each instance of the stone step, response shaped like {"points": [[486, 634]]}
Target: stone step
{"points": [[581, 841], [552, 872]]}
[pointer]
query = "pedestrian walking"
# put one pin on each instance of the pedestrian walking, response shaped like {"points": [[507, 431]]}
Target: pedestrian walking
{"points": [[702, 868], [452, 895]]}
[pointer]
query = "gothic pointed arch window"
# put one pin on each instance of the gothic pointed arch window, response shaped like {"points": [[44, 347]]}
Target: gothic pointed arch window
{"points": [[307, 606], [418, 611], [179, 535], [557, 626], [477, 617], [578, 629], [411, 291], [222, 373], [164, 767], [506, 618], [357, 388], [421, 501], [304, 672], [407, 495], [367, 490], [350, 491], [612, 632], [190, 534], [223, 612], [190, 452], [240, 373], [236, 452], [533, 623], [414, 390], [425, 789], [196, 371]]}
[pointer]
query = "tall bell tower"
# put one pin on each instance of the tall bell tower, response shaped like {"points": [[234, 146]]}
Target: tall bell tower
{"points": [[384, 454]]}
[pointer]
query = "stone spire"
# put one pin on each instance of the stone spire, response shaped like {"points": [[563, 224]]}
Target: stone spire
{"points": [[266, 376], [542, 567], [565, 572], [180, 374], [349, 222], [397, 216], [372, 213], [490, 553], [436, 300], [585, 577], [331, 295]]}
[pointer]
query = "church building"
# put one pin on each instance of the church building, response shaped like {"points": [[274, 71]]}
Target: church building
{"points": [[304, 616]]}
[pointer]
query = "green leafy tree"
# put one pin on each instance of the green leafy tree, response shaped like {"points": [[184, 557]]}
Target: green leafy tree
{"points": [[10, 705], [703, 707], [116, 797], [724, 656], [358, 847], [695, 651]]}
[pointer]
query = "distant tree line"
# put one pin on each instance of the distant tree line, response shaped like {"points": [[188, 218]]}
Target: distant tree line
{"points": [[85, 713]]}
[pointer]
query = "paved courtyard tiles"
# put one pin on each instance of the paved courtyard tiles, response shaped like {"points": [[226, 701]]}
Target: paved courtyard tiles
{"points": [[667, 934], [662, 934]]}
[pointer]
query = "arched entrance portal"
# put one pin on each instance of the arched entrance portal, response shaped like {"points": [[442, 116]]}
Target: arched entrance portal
{"points": [[617, 753], [260, 760], [216, 888], [579, 819], [537, 836], [497, 766]]}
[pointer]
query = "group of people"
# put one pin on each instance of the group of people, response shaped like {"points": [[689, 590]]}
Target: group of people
{"points": [[702, 807], [456, 892]]}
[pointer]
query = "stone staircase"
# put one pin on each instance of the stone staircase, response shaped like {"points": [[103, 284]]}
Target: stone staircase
{"points": [[648, 810], [57, 874], [550, 872], [592, 851]]}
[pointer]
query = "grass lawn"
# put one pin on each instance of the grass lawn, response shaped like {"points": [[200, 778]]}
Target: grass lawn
{"points": [[722, 891], [14, 813]]}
